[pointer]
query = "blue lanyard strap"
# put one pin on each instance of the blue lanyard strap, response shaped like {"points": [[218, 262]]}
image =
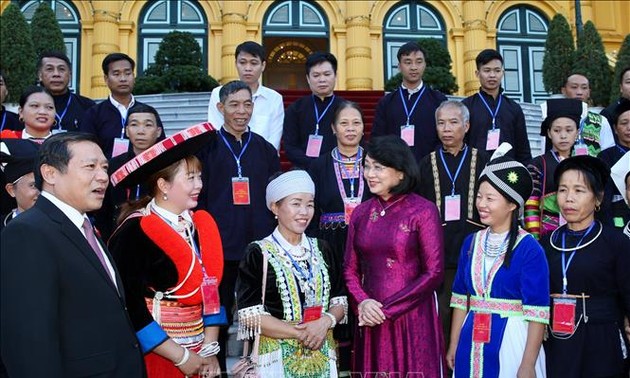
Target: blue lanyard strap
{"points": [[621, 149], [459, 168], [555, 155], [408, 112], [354, 169], [65, 110], [319, 117], [308, 277], [496, 111], [237, 158], [484, 276], [566, 264], [4, 120]]}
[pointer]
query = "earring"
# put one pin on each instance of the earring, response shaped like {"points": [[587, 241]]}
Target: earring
{"points": [[21, 119], [598, 207], [165, 197], [275, 217]]}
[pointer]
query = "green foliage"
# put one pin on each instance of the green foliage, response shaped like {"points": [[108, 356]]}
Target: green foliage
{"points": [[17, 56], [45, 30], [559, 54], [623, 62], [591, 60], [177, 67], [438, 72]]}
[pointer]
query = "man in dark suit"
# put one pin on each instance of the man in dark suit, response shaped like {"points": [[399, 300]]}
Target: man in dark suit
{"points": [[62, 313]]}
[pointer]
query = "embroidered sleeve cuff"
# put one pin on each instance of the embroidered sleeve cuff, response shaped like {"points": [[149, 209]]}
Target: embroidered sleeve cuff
{"points": [[151, 336], [341, 301], [539, 314], [459, 301], [249, 321], [219, 319]]}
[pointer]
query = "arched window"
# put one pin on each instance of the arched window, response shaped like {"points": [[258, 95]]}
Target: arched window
{"points": [[70, 24], [409, 21], [159, 17], [292, 30], [521, 34]]}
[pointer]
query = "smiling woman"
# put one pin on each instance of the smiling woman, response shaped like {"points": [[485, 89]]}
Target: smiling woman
{"points": [[36, 112]]}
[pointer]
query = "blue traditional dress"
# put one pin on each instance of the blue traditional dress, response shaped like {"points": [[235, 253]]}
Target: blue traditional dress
{"points": [[516, 295]]}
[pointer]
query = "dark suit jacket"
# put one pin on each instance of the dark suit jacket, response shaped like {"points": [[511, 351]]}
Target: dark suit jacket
{"points": [[60, 314]]}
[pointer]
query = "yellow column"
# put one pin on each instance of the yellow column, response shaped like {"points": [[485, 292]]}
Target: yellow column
{"points": [[475, 35], [105, 41], [234, 33], [358, 50]]}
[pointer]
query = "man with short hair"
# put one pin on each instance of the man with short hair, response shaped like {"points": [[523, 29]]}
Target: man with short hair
{"points": [[62, 306], [237, 165], [409, 111], [8, 120], [107, 119], [54, 72], [307, 131], [268, 115], [448, 177], [595, 133], [494, 117], [624, 92]]}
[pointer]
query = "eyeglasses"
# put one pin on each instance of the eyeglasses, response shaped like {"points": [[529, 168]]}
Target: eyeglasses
{"points": [[377, 168]]}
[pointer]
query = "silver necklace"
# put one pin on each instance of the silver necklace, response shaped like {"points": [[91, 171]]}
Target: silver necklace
{"points": [[384, 208]]}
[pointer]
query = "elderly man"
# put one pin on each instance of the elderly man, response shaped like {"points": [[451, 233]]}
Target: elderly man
{"points": [[55, 72], [448, 177], [62, 310], [268, 114], [237, 165]]}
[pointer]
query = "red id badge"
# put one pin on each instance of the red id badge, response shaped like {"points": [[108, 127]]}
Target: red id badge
{"points": [[563, 315], [314, 145], [349, 204], [210, 296], [121, 146], [452, 208], [240, 190], [580, 149], [407, 134], [492, 143], [481, 327], [311, 313]]}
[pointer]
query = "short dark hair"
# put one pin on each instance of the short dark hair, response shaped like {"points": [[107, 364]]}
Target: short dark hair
{"points": [[344, 104], [623, 72], [581, 73], [486, 56], [393, 152], [55, 151], [410, 47], [53, 54], [251, 48], [232, 87], [594, 170], [115, 57], [144, 108], [319, 57], [32, 90]]}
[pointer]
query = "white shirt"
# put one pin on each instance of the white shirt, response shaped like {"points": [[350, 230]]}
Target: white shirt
{"points": [[121, 108], [171, 217], [267, 117], [77, 219], [26, 135], [413, 91]]}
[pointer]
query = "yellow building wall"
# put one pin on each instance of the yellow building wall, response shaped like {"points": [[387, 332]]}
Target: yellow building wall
{"points": [[356, 33]]}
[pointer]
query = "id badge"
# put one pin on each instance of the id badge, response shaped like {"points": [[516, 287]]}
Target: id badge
{"points": [[581, 149], [314, 145], [210, 296], [349, 204], [452, 207], [311, 313], [240, 190], [59, 131], [407, 133], [481, 327], [563, 315], [121, 146], [493, 139]]}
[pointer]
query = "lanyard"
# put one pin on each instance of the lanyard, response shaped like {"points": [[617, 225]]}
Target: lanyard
{"points": [[459, 168], [408, 113], [620, 148], [123, 121], [342, 189], [4, 120], [65, 110], [308, 277], [484, 276], [237, 158], [555, 155], [318, 117], [496, 111], [566, 264]]}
